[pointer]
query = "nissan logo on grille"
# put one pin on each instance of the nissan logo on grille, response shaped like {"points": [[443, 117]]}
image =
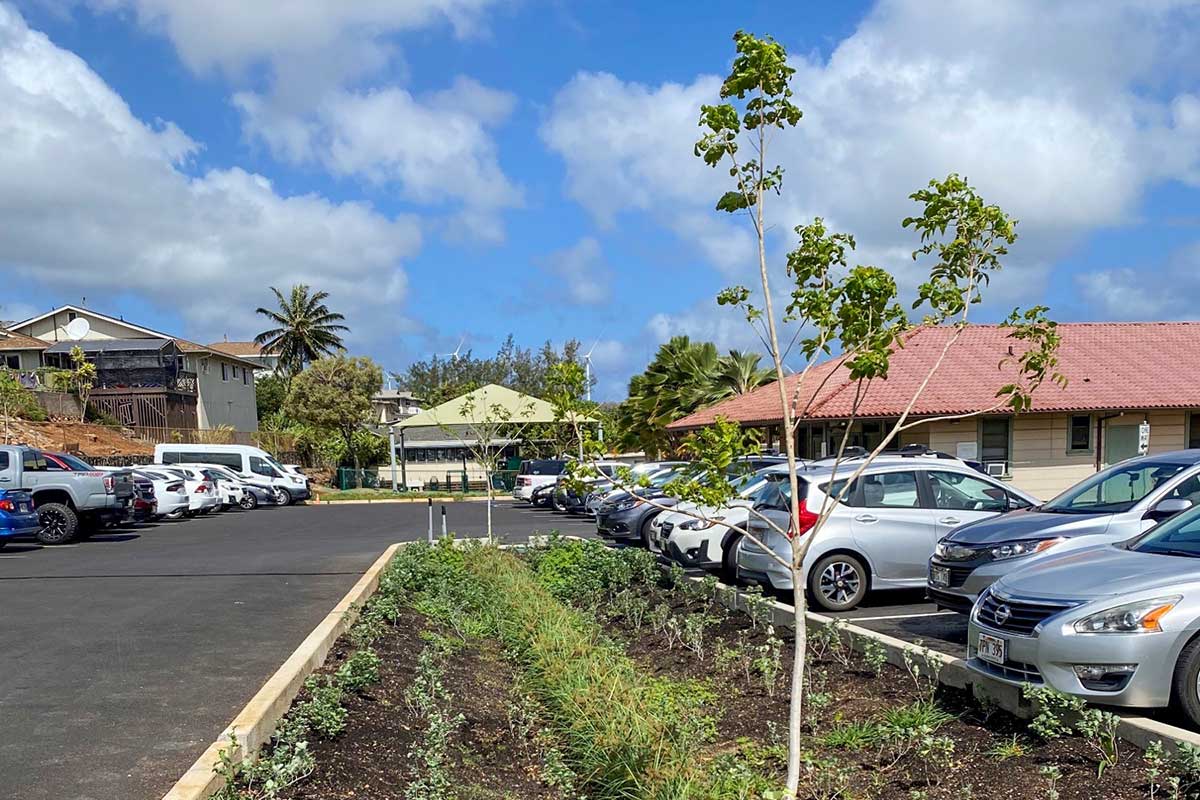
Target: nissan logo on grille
{"points": [[1002, 614]]}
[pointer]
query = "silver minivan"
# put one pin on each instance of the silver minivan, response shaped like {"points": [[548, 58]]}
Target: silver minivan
{"points": [[1115, 504]]}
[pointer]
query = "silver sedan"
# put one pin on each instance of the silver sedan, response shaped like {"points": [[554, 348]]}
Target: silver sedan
{"points": [[1118, 624]]}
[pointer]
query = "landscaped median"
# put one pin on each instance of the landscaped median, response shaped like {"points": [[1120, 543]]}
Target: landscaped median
{"points": [[570, 669]]}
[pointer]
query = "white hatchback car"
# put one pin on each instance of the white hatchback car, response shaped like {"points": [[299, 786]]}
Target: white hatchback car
{"points": [[884, 531]]}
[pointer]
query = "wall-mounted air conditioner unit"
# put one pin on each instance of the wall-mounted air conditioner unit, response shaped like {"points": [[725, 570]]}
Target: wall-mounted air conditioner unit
{"points": [[997, 469]]}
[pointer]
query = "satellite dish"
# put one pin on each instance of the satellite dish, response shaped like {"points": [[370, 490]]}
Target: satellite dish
{"points": [[78, 328]]}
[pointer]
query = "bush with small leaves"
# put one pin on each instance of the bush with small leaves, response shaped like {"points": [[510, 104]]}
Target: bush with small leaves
{"points": [[359, 671], [1056, 711], [874, 655]]}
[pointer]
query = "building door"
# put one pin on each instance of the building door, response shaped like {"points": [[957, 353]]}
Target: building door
{"points": [[1120, 443]]}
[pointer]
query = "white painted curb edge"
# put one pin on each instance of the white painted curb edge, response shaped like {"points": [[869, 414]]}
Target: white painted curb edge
{"points": [[255, 723]]}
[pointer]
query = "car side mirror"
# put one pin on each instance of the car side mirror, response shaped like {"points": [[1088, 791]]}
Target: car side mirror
{"points": [[1170, 507]]}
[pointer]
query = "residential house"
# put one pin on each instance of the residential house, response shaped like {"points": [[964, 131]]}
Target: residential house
{"points": [[146, 377], [393, 405], [266, 362], [20, 352], [1120, 377]]}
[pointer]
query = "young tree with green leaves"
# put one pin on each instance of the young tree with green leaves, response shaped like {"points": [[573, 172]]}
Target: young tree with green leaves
{"points": [[482, 427], [79, 379], [849, 314], [16, 401], [335, 393]]}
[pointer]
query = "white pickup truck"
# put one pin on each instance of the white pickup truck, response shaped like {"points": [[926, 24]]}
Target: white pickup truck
{"points": [[70, 503]]}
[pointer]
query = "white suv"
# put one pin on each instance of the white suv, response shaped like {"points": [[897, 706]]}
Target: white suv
{"points": [[693, 536], [882, 534]]}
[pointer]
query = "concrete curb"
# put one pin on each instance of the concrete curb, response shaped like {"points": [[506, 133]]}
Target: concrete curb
{"points": [[255, 723], [1136, 729]]}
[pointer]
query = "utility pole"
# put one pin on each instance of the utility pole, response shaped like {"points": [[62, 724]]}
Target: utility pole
{"points": [[392, 455]]}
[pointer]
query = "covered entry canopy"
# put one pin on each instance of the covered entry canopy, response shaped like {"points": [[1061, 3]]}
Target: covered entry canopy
{"points": [[477, 408]]}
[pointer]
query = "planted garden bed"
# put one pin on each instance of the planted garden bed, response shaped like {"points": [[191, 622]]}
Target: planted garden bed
{"points": [[573, 670]]}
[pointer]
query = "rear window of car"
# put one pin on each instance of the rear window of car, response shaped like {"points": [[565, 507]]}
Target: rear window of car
{"points": [[543, 467]]}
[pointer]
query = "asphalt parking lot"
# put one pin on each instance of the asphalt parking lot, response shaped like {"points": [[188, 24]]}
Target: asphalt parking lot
{"points": [[906, 615], [122, 657]]}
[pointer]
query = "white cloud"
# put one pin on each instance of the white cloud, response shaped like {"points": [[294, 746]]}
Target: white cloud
{"points": [[1146, 293], [580, 271], [349, 37], [323, 105], [436, 149], [1064, 114], [94, 201]]}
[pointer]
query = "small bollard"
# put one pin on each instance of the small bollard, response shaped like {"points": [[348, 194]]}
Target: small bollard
{"points": [[443, 520], [431, 520]]}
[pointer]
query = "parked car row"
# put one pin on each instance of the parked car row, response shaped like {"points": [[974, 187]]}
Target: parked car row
{"points": [[56, 498], [1095, 593]]}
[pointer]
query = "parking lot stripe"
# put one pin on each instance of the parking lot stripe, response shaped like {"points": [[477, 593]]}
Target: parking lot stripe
{"points": [[901, 616]]}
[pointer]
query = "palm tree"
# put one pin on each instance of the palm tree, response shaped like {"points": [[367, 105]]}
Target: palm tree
{"points": [[740, 373], [305, 329]]}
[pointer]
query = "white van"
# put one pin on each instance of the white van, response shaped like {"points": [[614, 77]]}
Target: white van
{"points": [[241, 458]]}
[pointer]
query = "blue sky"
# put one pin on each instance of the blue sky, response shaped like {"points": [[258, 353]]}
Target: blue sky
{"points": [[471, 168]]}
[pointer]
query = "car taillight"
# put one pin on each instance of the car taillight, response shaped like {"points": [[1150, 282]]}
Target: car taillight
{"points": [[175, 487], [7, 505], [201, 488], [110, 484], [807, 520]]}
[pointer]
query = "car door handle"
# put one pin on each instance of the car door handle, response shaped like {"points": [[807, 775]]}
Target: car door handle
{"points": [[950, 520], [868, 518]]}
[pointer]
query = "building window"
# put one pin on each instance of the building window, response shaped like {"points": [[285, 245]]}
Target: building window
{"points": [[1194, 430], [993, 444], [245, 377], [1080, 434], [71, 316], [235, 370], [204, 366], [224, 372], [12, 361]]}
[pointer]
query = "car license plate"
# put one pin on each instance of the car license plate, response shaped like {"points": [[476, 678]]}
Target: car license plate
{"points": [[991, 648], [939, 576], [23, 508]]}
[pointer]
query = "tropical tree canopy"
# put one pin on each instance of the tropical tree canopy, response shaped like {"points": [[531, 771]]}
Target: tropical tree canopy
{"points": [[683, 377], [305, 329], [521, 369]]}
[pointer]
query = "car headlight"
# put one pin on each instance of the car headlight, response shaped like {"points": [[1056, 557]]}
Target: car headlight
{"points": [[1025, 548], [950, 551], [1139, 617], [625, 505], [700, 524]]}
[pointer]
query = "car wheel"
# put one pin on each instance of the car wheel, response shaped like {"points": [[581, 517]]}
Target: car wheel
{"points": [[249, 501], [1185, 686], [729, 559], [59, 523], [838, 582], [175, 514], [646, 533], [283, 497]]}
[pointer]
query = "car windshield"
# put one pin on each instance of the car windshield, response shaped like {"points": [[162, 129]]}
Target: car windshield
{"points": [[1116, 489], [1178, 536], [746, 484], [542, 467], [74, 463]]}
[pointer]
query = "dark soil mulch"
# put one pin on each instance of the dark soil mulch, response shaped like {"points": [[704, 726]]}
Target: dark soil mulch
{"points": [[369, 759], [745, 709]]}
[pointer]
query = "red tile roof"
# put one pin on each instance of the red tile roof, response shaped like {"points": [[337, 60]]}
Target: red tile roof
{"points": [[1108, 366]]}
